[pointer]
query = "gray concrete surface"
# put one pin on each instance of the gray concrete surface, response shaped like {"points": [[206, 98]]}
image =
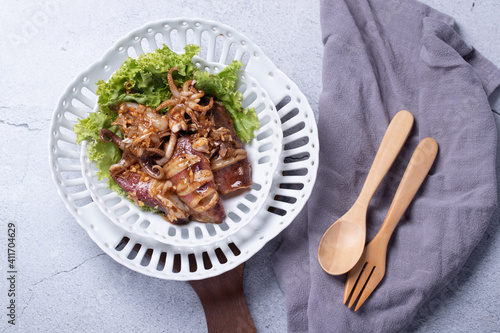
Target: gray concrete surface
{"points": [[65, 283]]}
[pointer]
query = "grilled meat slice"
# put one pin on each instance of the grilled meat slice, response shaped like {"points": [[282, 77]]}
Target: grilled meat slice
{"points": [[146, 191], [231, 168], [187, 180], [190, 173]]}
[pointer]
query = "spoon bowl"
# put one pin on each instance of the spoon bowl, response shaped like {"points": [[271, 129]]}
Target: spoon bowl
{"points": [[346, 240], [343, 243]]}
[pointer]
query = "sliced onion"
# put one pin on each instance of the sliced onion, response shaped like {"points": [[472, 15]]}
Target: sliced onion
{"points": [[169, 150], [222, 162], [156, 151]]}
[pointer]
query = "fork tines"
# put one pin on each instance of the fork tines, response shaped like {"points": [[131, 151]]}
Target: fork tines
{"points": [[361, 281]]}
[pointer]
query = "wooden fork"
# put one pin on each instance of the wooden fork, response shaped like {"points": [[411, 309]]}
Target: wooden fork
{"points": [[370, 269]]}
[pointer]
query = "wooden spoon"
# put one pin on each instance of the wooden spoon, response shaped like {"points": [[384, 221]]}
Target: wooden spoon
{"points": [[342, 244], [370, 270]]}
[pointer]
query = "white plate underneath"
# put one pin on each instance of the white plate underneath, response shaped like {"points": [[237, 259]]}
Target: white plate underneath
{"points": [[189, 253], [241, 206]]}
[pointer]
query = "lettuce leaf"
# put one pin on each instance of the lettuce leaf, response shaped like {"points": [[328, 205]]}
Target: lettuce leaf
{"points": [[144, 81], [223, 87], [103, 154]]}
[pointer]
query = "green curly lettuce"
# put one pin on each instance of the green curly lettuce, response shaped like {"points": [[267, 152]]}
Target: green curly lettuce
{"points": [[223, 87], [103, 154], [144, 81]]}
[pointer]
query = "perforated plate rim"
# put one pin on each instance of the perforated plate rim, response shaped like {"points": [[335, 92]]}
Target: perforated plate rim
{"points": [[241, 206], [292, 183]]}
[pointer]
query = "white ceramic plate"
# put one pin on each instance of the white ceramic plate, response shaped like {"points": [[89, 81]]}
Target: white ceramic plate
{"points": [[241, 206], [191, 253]]}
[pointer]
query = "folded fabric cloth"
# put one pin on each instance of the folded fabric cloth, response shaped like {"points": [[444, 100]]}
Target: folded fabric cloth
{"points": [[382, 56]]}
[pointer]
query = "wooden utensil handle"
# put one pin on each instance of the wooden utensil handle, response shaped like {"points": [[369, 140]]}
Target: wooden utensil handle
{"points": [[415, 173], [394, 138], [224, 302]]}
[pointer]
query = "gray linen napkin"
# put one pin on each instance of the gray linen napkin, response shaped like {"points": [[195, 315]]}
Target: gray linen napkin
{"points": [[381, 56]]}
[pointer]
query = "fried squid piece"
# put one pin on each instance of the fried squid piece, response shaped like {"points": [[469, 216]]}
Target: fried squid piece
{"points": [[190, 173], [231, 168], [151, 192]]}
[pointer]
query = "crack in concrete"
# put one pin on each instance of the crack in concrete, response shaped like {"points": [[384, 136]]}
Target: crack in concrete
{"points": [[24, 125], [33, 285], [31, 297], [67, 271]]}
